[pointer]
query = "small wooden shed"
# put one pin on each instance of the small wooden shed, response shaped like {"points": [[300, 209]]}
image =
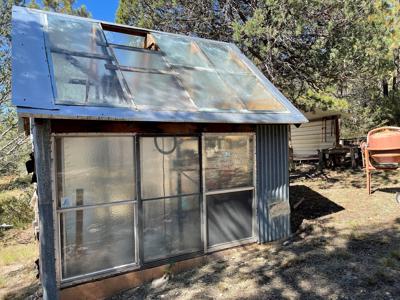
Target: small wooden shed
{"points": [[322, 132], [150, 149]]}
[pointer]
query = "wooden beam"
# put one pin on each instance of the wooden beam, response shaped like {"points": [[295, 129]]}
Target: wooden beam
{"points": [[42, 150], [124, 29], [75, 126]]}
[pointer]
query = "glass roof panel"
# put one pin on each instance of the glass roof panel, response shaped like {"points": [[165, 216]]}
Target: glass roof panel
{"points": [[223, 58], [208, 91], [211, 75], [140, 59], [181, 51], [159, 91], [124, 39], [86, 81], [252, 93], [75, 35]]}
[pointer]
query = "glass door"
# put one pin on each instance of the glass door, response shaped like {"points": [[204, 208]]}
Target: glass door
{"points": [[228, 163], [170, 195]]}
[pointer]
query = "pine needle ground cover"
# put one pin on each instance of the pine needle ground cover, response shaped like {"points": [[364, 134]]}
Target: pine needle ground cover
{"points": [[346, 245]]}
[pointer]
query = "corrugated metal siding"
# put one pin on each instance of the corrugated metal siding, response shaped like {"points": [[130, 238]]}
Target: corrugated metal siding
{"points": [[311, 137], [273, 210]]}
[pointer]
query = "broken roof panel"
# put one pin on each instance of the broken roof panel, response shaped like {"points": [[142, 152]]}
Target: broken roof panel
{"points": [[71, 67]]}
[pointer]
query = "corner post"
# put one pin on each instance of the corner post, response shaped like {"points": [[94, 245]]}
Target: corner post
{"points": [[42, 150]]}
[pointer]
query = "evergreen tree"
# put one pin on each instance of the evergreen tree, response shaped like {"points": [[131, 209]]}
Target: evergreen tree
{"points": [[14, 146], [321, 53]]}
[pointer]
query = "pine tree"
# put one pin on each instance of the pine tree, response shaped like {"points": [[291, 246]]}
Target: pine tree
{"points": [[321, 53], [14, 146]]}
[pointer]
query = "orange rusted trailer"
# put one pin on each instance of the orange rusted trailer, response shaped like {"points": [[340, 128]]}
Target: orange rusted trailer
{"points": [[381, 151]]}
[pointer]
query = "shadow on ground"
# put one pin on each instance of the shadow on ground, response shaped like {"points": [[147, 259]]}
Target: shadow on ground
{"points": [[320, 263], [344, 177], [28, 292], [389, 190], [307, 204]]}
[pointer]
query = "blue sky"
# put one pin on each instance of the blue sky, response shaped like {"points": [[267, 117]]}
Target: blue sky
{"points": [[101, 10]]}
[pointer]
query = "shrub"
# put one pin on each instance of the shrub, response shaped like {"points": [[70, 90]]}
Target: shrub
{"points": [[16, 210]]}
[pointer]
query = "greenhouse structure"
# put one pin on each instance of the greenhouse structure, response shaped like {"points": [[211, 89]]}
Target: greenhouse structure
{"points": [[151, 149]]}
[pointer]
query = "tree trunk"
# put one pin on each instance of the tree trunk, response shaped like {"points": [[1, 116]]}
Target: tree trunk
{"points": [[385, 88]]}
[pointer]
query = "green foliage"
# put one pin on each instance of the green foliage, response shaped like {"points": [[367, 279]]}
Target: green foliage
{"points": [[15, 196], [324, 54], [14, 145], [16, 210], [61, 6], [325, 100]]}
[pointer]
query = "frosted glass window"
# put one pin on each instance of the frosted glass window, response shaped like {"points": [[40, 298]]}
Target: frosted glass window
{"points": [[140, 59], [208, 91], [96, 239], [81, 80], [181, 51], [75, 35], [228, 161], [171, 227], [252, 93], [124, 39], [159, 91], [169, 166], [95, 170], [229, 217], [223, 58]]}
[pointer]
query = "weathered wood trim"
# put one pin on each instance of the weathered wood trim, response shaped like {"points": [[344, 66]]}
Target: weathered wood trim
{"points": [[42, 150], [75, 126]]}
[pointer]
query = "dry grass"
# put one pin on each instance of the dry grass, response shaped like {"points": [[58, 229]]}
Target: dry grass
{"points": [[18, 253], [18, 250]]}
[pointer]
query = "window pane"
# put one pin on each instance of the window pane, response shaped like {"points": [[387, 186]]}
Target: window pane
{"points": [[81, 80], [228, 161], [153, 89], [75, 35], [229, 217], [95, 170], [169, 166], [253, 94], [208, 91], [181, 51], [124, 39], [171, 227], [222, 57], [140, 59], [96, 239]]}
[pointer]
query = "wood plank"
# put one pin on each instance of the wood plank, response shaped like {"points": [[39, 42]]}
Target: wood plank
{"points": [[87, 126], [42, 150]]}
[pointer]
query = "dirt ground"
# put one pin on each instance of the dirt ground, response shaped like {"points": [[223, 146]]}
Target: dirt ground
{"points": [[18, 252], [18, 249], [346, 245]]}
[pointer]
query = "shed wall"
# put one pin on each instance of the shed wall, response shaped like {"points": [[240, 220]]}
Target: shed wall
{"points": [[311, 137], [273, 182]]}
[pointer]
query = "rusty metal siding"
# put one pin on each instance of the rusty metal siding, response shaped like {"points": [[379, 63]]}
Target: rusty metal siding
{"points": [[273, 210]]}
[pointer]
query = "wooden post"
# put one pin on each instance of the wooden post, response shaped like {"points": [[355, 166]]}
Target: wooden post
{"points": [[353, 157], [42, 150], [367, 170], [321, 158]]}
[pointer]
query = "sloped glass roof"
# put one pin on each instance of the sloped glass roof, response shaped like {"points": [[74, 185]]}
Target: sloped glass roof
{"points": [[95, 64], [96, 67]]}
